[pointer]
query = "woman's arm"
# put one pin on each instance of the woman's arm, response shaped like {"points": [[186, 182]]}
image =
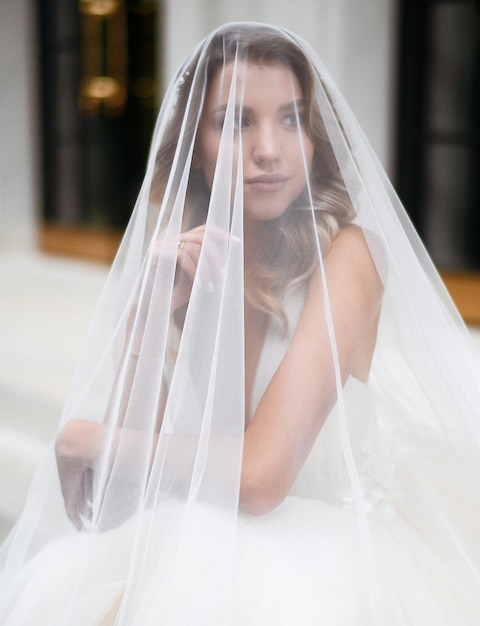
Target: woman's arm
{"points": [[81, 442], [303, 390]]}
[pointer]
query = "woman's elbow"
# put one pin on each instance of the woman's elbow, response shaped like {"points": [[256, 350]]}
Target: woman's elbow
{"points": [[259, 496]]}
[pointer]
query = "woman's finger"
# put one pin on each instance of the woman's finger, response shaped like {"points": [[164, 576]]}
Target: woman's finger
{"points": [[72, 496]]}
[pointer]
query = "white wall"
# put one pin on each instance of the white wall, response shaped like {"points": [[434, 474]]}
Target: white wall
{"points": [[355, 39], [18, 125]]}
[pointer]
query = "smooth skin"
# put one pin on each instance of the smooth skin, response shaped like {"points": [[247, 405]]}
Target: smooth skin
{"points": [[279, 437]]}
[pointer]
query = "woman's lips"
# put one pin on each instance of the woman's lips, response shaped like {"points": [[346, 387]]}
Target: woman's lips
{"points": [[267, 182]]}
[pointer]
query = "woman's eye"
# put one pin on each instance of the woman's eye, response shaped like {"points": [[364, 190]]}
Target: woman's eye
{"points": [[294, 119], [240, 122]]}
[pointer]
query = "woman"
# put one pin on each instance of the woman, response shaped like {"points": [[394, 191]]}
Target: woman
{"points": [[269, 425]]}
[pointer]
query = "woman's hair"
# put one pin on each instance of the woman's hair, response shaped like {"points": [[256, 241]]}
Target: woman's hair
{"points": [[290, 253]]}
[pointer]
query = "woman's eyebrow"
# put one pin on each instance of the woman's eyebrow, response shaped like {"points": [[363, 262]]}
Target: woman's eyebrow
{"points": [[289, 106], [221, 108], [292, 106]]}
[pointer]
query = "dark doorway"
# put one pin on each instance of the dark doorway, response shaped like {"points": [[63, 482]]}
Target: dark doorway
{"points": [[439, 130], [99, 83]]}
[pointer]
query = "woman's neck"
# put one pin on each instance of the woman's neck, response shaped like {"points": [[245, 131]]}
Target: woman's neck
{"points": [[253, 240]]}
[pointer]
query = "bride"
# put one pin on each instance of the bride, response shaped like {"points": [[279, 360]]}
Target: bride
{"points": [[275, 419]]}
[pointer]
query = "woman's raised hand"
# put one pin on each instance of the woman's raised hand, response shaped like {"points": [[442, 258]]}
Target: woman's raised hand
{"points": [[188, 255], [188, 249]]}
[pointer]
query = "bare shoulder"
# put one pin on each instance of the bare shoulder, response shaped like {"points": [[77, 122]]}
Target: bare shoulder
{"points": [[350, 275], [349, 257], [350, 241], [354, 285], [354, 297]]}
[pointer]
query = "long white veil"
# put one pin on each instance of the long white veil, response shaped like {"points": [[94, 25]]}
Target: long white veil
{"points": [[152, 526]]}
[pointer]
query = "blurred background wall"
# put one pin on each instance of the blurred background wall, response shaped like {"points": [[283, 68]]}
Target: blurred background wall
{"points": [[19, 125]]}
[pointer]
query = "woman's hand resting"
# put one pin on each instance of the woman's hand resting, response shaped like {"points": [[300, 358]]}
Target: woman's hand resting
{"points": [[77, 449]]}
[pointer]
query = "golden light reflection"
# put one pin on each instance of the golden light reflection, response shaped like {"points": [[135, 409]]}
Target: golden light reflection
{"points": [[102, 8], [104, 56]]}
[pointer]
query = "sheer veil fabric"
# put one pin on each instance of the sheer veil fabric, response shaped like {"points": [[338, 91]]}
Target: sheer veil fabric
{"points": [[275, 419]]}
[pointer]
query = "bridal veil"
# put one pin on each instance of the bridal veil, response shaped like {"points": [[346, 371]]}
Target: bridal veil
{"points": [[155, 529]]}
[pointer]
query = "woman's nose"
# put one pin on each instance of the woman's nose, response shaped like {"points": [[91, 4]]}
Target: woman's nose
{"points": [[266, 145]]}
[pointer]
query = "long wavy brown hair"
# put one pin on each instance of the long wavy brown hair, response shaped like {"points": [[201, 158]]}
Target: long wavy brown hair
{"points": [[290, 253]]}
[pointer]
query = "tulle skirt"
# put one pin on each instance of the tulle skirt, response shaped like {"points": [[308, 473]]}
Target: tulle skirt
{"points": [[307, 562], [303, 563]]}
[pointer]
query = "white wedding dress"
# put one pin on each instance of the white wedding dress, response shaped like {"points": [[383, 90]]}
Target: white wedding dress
{"points": [[380, 527], [303, 563]]}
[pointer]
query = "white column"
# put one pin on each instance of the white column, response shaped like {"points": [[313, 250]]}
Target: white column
{"points": [[19, 195], [363, 64]]}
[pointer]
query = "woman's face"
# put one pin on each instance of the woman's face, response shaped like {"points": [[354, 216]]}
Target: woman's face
{"points": [[277, 153]]}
